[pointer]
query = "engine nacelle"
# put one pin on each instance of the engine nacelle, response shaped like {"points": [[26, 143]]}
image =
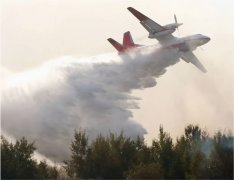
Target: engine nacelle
{"points": [[172, 25], [161, 33]]}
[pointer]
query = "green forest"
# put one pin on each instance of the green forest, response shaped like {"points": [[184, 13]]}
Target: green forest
{"points": [[193, 155]]}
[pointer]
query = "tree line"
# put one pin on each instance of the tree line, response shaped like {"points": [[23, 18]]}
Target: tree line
{"points": [[17, 162], [193, 155]]}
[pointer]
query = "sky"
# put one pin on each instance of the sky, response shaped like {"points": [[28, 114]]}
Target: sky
{"points": [[34, 32]]}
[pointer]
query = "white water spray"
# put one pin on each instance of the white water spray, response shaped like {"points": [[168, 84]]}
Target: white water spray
{"points": [[46, 104]]}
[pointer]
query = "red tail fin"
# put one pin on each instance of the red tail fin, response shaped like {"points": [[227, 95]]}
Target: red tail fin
{"points": [[127, 40], [117, 45], [127, 43]]}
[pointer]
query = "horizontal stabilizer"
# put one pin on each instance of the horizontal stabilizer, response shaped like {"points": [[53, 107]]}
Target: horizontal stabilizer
{"points": [[116, 45]]}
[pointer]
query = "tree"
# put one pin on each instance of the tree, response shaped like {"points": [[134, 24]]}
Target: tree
{"points": [[221, 157], [100, 157], [76, 167], [16, 160], [46, 172], [189, 150], [195, 155], [162, 152], [105, 157], [142, 151], [146, 171]]}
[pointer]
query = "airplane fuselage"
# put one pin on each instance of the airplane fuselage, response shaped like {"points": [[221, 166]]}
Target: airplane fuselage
{"points": [[184, 44], [188, 43], [156, 34]]}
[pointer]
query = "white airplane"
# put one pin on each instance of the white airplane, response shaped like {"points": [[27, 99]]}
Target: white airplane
{"points": [[164, 35]]}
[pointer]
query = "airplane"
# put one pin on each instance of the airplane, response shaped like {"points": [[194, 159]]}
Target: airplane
{"points": [[164, 35], [128, 43]]}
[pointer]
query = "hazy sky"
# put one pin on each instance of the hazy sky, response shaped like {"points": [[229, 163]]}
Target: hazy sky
{"points": [[36, 31], [33, 32]]}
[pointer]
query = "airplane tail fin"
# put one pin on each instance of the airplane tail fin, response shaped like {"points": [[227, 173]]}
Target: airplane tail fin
{"points": [[128, 43], [116, 45], [127, 40]]}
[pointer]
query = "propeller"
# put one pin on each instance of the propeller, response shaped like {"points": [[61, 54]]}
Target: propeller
{"points": [[175, 18]]}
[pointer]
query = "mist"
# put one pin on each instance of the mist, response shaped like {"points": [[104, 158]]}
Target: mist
{"points": [[47, 104]]}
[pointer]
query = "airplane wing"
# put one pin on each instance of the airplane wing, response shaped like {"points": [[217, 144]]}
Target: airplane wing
{"points": [[190, 57], [151, 26], [148, 24]]}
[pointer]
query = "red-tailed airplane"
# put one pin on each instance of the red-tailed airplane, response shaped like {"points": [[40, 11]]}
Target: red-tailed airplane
{"points": [[164, 35]]}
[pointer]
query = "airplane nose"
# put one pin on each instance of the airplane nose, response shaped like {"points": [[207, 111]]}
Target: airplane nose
{"points": [[207, 39]]}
